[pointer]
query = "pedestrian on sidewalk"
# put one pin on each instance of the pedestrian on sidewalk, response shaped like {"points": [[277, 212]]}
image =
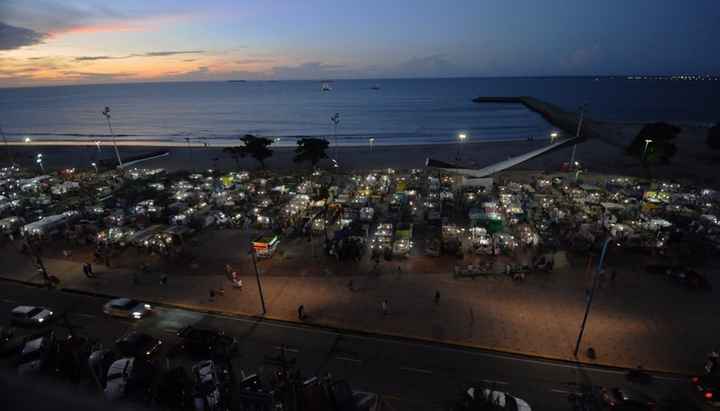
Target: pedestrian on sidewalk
{"points": [[437, 297], [301, 312], [85, 269], [228, 271], [212, 295], [384, 307], [163, 279], [90, 270]]}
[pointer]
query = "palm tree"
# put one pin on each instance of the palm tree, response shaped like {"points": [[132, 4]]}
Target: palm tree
{"points": [[311, 149], [256, 147]]}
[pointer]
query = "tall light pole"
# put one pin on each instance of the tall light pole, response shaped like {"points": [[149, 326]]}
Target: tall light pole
{"points": [[97, 143], [577, 133], [94, 164], [461, 140], [647, 143], [106, 113], [335, 119], [372, 143], [588, 303], [39, 161], [257, 277]]}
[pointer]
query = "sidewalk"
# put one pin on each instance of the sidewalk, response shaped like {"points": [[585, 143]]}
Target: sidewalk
{"points": [[630, 324]]}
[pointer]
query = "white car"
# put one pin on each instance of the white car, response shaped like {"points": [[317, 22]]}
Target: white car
{"points": [[35, 353], [30, 315], [118, 376], [207, 386], [502, 400], [127, 308]]}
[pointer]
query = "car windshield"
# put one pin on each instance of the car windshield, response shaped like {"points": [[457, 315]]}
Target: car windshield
{"points": [[35, 311], [126, 304], [511, 403]]}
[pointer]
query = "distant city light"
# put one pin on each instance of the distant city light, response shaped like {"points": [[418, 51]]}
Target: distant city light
{"points": [[27, 139]]}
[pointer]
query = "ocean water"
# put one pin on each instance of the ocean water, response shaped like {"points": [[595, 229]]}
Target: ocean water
{"points": [[417, 111]]}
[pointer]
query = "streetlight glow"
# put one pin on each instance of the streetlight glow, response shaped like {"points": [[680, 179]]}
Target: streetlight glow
{"points": [[647, 143], [27, 139], [462, 136]]}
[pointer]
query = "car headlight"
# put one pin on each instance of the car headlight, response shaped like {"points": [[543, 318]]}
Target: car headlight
{"points": [[40, 320], [51, 313], [137, 314], [147, 306]]}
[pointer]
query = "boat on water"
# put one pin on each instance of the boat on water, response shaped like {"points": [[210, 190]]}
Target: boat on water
{"points": [[326, 86]]}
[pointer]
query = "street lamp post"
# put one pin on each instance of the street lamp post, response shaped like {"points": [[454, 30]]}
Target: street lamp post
{"points": [[27, 140], [106, 113], [553, 136], [39, 160], [372, 143], [592, 293], [577, 133], [94, 164], [461, 140], [257, 277], [647, 143], [335, 119]]}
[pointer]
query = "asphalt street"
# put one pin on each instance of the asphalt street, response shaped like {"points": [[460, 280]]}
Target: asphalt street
{"points": [[407, 374]]}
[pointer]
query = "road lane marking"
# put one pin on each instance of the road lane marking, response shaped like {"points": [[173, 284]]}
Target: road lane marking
{"points": [[418, 370], [561, 391], [348, 359], [496, 382], [289, 349]]}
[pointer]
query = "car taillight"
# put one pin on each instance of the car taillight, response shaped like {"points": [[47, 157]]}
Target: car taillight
{"points": [[708, 395]]}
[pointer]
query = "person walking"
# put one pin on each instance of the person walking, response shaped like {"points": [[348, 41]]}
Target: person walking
{"points": [[90, 270], [437, 297], [384, 307], [85, 269], [212, 295], [301, 312], [163, 279]]}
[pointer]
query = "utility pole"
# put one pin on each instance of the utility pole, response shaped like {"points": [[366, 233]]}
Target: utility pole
{"points": [[106, 113], [257, 277], [577, 134], [592, 292], [335, 120]]}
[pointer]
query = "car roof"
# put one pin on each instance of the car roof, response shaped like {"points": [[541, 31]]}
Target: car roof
{"points": [[23, 309], [629, 394], [33, 345], [123, 302]]}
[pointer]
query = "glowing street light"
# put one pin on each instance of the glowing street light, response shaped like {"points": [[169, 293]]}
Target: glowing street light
{"points": [[106, 113], [553, 136], [461, 139], [647, 143], [372, 143], [97, 143], [27, 139], [577, 174], [94, 164], [39, 161]]}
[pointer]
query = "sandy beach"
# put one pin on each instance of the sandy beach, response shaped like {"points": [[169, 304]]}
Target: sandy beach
{"points": [[693, 161]]}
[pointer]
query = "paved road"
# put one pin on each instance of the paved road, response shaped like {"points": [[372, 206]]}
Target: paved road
{"points": [[409, 375]]}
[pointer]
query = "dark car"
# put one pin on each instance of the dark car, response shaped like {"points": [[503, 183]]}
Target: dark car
{"points": [[199, 341], [627, 399], [708, 387], [137, 344]]}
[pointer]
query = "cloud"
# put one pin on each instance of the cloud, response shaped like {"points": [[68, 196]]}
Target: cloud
{"points": [[253, 61], [12, 37], [148, 54], [88, 75], [311, 70]]}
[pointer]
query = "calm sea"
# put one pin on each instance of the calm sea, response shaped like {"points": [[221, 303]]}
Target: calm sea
{"points": [[390, 111]]}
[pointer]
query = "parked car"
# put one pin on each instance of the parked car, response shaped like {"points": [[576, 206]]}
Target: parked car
{"points": [[10, 341], [71, 356], [36, 353], [127, 308], [99, 362], [708, 386], [30, 315], [199, 341], [208, 386], [137, 344], [477, 397], [627, 399], [118, 378]]}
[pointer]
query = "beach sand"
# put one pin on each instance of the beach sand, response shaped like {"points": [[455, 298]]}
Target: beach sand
{"points": [[694, 161]]}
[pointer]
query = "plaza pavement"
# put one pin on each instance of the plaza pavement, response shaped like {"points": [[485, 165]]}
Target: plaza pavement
{"points": [[636, 319]]}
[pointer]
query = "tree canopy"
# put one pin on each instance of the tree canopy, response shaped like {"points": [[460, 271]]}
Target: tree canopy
{"points": [[255, 147], [660, 148], [311, 149], [713, 137]]}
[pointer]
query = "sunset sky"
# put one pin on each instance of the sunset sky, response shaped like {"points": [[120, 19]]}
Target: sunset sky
{"points": [[88, 41]]}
